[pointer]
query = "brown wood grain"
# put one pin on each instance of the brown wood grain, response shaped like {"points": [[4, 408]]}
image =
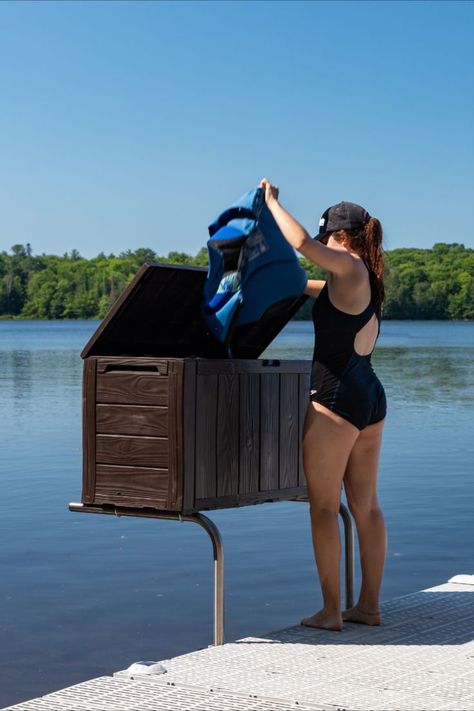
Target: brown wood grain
{"points": [[132, 420], [132, 451], [189, 432], [88, 430], [288, 430], [133, 364], [269, 431], [249, 473], [132, 485], [209, 434], [175, 413], [228, 434], [206, 444], [129, 388]]}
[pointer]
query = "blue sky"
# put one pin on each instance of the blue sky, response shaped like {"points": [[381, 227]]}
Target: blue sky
{"points": [[133, 124]]}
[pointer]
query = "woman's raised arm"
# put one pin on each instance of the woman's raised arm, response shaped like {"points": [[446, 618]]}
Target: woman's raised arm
{"points": [[332, 259]]}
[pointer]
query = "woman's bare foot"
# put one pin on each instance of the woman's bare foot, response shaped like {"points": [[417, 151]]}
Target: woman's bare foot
{"points": [[324, 620], [364, 617]]}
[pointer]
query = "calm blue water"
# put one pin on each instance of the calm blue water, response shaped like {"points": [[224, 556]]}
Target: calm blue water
{"points": [[83, 596]]}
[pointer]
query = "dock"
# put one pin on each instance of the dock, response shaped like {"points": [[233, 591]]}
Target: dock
{"points": [[421, 658]]}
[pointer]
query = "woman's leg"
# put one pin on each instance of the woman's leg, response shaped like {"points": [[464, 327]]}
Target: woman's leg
{"points": [[327, 443], [360, 483]]}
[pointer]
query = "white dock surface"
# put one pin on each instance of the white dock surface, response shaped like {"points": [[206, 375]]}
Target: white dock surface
{"points": [[421, 658]]}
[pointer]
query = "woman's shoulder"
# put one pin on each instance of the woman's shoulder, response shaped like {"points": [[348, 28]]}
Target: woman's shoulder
{"points": [[351, 292]]}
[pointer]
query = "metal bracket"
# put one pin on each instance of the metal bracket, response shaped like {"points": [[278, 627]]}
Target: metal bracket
{"points": [[205, 523]]}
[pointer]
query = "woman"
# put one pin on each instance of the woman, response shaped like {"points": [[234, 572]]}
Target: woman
{"points": [[343, 426]]}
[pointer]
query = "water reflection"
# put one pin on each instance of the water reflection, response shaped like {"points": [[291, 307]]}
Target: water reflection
{"points": [[427, 376], [21, 366], [32, 381]]}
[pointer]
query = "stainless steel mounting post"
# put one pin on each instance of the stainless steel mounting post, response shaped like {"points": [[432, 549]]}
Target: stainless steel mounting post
{"points": [[349, 563], [348, 554], [204, 522]]}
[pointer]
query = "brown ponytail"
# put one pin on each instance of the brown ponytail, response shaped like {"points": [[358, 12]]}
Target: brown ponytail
{"points": [[373, 236], [367, 242]]}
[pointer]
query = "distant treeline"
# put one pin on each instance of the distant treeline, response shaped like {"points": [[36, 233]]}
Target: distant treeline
{"points": [[435, 283]]}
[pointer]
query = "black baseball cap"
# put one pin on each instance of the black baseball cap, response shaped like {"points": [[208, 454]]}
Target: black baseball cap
{"points": [[343, 216]]}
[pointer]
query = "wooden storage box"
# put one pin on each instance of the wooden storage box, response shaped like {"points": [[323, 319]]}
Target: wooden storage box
{"points": [[171, 423]]}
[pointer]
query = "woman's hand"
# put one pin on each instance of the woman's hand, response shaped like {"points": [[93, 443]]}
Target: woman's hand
{"points": [[271, 192]]}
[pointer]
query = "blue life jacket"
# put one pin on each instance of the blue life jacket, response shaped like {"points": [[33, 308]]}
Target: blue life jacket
{"points": [[252, 267]]}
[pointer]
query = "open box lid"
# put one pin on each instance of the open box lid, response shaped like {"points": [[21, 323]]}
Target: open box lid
{"points": [[159, 314]]}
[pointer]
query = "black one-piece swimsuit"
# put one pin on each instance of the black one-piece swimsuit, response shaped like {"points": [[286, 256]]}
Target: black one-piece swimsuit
{"points": [[341, 379]]}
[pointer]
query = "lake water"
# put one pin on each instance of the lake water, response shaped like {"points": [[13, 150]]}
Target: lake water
{"points": [[83, 596]]}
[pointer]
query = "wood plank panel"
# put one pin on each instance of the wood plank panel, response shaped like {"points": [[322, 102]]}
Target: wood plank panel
{"points": [[132, 451], [189, 433], [175, 442], [249, 475], [304, 386], [129, 388], [88, 431], [206, 421], [227, 434], [132, 420], [124, 485], [269, 431], [288, 430]]}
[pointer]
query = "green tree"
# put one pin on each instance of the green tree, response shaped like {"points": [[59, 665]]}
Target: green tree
{"points": [[420, 283]]}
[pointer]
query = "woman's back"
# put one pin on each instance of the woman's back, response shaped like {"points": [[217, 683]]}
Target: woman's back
{"points": [[342, 377], [340, 334]]}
